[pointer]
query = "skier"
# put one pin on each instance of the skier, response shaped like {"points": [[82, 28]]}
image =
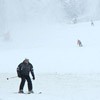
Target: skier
{"points": [[79, 43], [74, 20], [92, 23], [23, 71]]}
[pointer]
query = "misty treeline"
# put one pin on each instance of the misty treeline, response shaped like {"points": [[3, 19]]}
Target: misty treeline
{"points": [[31, 9], [89, 9], [74, 8]]}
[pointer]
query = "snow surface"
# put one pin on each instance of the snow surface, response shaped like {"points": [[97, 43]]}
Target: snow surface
{"points": [[53, 86], [63, 70], [53, 48]]}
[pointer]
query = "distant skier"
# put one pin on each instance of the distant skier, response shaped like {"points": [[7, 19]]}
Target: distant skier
{"points": [[79, 43], [23, 71], [92, 23], [74, 20]]}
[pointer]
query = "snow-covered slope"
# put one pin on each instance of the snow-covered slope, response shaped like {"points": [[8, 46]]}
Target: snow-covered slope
{"points": [[64, 71], [53, 86], [53, 48]]}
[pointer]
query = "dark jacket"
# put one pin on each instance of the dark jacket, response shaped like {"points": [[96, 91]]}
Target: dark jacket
{"points": [[24, 69]]}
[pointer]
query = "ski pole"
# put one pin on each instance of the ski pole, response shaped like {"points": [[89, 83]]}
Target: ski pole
{"points": [[12, 77]]}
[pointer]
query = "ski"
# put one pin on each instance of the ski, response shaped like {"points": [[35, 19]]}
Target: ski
{"points": [[28, 93], [34, 93]]}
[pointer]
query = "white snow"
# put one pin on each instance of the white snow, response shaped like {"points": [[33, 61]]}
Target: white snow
{"points": [[53, 86], [53, 48], [63, 70]]}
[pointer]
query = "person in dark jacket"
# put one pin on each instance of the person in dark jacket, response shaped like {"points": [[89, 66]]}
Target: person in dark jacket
{"points": [[23, 71]]}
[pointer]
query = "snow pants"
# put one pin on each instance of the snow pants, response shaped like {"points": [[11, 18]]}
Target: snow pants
{"points": [[23, 79]]}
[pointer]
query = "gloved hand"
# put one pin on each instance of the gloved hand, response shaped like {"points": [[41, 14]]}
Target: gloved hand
{"points": [[33, 78]]}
